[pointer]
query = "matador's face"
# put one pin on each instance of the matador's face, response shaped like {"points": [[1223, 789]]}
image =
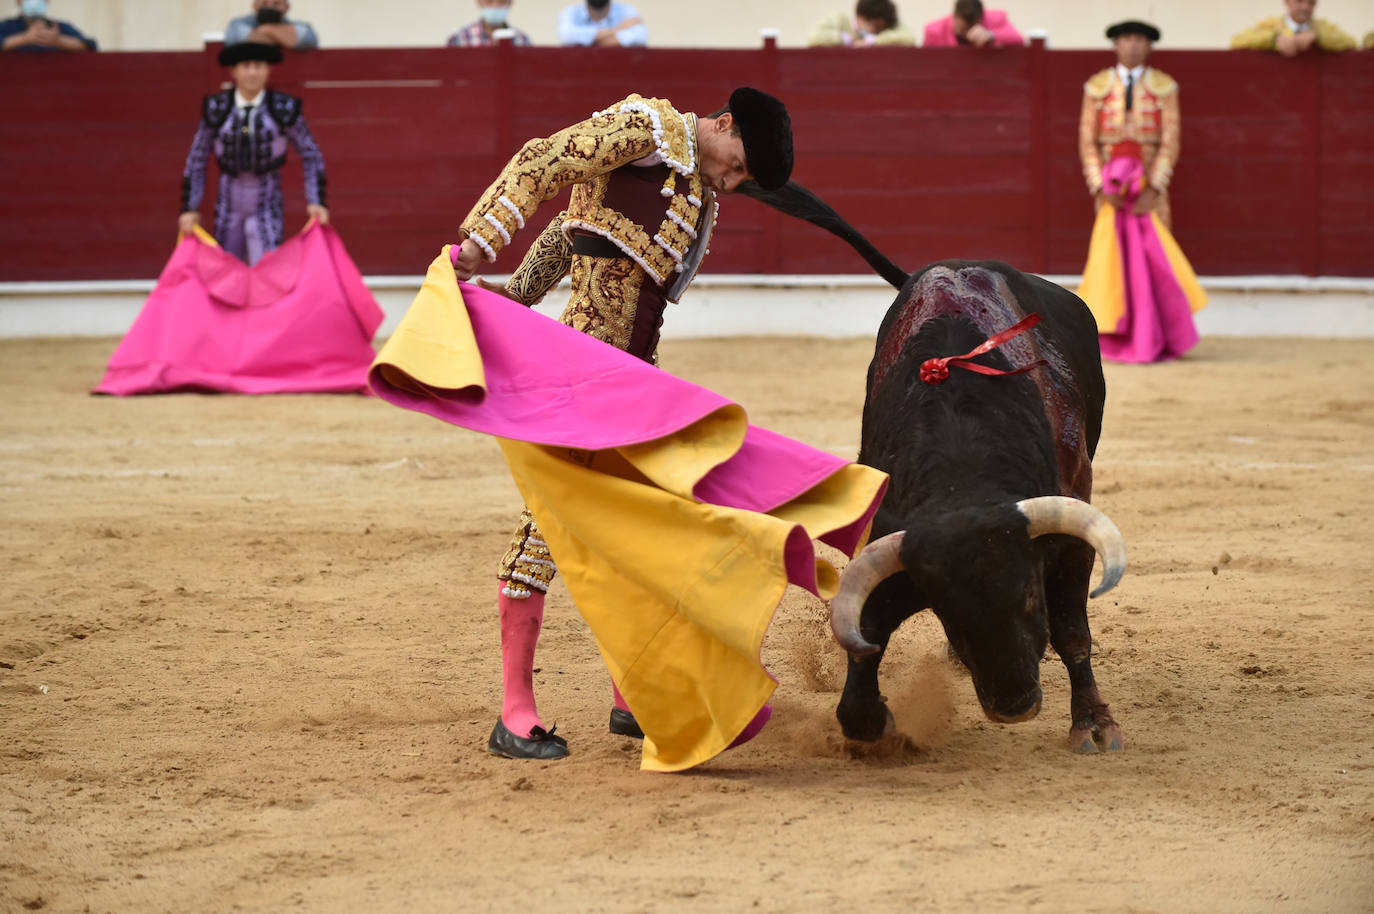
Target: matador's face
{"points": [[250, 76], [721, 150], [1132, 50]]}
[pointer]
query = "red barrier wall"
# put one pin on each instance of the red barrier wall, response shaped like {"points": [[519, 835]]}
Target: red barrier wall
{"points": [[933, 154]]}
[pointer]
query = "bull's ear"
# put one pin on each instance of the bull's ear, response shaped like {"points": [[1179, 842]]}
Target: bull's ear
{"points": [[923, 553]]}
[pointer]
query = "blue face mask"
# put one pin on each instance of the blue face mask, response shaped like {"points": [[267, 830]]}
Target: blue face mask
{"points": [[34, 9], [494, 15]]}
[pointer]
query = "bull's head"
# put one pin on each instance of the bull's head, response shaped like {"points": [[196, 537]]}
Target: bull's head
{"points": [[978, 572]]}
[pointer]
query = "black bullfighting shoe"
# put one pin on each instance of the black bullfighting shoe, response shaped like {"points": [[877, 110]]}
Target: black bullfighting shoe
{"points": [[623, 723], [541, 744]]}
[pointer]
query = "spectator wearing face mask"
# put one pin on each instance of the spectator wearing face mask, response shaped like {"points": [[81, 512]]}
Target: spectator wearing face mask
{"points": [[602, 23], [268, 24], [874, 22], [495, 14], [33, 32]]}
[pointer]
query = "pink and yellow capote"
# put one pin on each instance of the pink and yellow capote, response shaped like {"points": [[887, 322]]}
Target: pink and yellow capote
{"points": [[676, 524], [299, 321], [1139, 286]]}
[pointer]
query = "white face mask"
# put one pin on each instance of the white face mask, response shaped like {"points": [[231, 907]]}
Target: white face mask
{"points": [[34, 9]]}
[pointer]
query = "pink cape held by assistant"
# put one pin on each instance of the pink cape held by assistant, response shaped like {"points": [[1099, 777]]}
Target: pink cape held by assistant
{"points": [[1137, 283], [299, 321], [677, 525]]}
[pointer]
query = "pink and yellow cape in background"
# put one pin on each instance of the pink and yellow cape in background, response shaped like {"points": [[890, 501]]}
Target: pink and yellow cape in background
{"points": [[676, 524], [299, 321], [1137, 283]]}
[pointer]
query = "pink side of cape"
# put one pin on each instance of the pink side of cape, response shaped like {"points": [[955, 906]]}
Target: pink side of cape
{"points": [[301, 320], [550, 384], [1158, 323]]}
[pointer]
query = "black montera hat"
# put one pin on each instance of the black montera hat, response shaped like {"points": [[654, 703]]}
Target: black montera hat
{"points": [[1132, 27], [245, 51], [766, 131]]}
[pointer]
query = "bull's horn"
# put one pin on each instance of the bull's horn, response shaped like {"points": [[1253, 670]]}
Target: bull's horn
{"points": [[880, 560], [1060, 514]]}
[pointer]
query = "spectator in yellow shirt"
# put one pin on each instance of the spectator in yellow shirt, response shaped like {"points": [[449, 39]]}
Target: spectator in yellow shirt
{"points": [[874, 23], [1297, 31]]}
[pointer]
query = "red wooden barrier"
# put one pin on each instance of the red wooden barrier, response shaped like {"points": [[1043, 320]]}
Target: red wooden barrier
{"points": [[932, 153]]}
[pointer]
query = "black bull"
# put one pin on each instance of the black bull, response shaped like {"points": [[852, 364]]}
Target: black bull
{"points": [[986, 520]]}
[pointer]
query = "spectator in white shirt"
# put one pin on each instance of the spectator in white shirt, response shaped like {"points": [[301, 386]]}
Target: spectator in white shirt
{"points": [[267, 24], [602, 23]]}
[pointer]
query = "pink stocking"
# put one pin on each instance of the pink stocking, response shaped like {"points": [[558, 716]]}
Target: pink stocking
{"points": [[619, 699], [520, 623]]}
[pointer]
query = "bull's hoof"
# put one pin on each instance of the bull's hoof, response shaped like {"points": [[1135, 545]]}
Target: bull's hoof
{"points": [[867, 727], [1092, 739]]}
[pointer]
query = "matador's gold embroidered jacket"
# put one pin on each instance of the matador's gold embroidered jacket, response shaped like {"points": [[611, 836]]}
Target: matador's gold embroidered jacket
{"points": [[1152, 123], [634, 132]]}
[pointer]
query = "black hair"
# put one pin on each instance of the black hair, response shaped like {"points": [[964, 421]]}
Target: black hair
{"points": [[971, 11], [884, 11]]}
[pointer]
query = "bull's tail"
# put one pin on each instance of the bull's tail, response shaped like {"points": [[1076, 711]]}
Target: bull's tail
{"points": [[795, 200]]}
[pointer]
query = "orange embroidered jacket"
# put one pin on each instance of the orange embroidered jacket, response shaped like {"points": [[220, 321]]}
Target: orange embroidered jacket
{"points": [[1150, 130]]}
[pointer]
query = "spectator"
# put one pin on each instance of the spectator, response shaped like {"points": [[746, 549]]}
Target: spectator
{"points": [[248, 128], [495, 14], [33, 32], [1292, 34], [970, 24], [874, 23], [602, 23], [267, 24]]}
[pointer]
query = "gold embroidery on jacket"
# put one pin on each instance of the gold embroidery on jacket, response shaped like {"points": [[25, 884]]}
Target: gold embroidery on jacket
{"points": [[1153, 123], [605, 298], [527, 565], [545, 263], [636, 129]]}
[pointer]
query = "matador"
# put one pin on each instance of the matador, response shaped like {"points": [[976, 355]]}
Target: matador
{"points": [[644, 179]]}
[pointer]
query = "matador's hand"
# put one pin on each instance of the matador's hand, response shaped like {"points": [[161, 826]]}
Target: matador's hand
{"points": [[495, 287], [468, 260], [317, 212], [1145, 203], [187, 221]]}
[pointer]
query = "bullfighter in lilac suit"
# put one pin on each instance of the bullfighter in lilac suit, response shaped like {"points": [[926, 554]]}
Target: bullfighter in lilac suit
{"points": [[248, 128]]}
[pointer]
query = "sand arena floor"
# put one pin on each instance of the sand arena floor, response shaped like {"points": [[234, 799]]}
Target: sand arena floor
{"points": [[248, 662]]}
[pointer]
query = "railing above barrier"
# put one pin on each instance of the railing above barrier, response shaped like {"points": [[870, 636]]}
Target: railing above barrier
{"points": [[931, 153]]}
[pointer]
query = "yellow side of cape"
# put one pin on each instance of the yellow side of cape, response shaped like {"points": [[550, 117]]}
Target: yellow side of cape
{"points": [[1103, 288], [678, 593]]}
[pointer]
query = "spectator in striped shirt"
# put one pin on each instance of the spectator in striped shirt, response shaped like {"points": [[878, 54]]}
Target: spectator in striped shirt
{"points": [[495, 15]]}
